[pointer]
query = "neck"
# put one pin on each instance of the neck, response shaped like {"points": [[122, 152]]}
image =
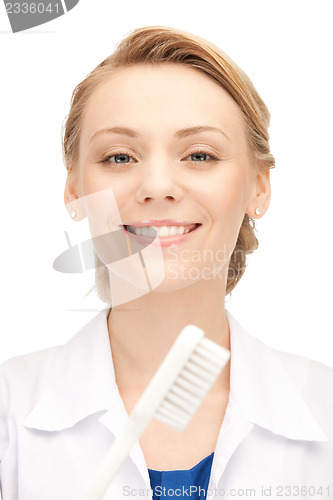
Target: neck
{"points": [[142, 331]]}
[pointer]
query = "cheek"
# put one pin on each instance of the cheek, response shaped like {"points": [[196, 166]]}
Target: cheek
{"points": [[92, 181], [102, 199], [226, 206], [225, 198]]}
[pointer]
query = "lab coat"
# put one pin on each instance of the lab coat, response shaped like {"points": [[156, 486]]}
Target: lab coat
{"points": [[60, 411]]}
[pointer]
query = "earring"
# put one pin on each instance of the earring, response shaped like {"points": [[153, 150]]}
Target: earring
{"points": [[258, 212], [73, 214]]}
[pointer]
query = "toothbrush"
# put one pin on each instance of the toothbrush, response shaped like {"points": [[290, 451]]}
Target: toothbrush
{"points": [[172, 397]]}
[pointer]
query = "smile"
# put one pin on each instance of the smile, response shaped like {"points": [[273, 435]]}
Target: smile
{"points": [[161, 231]]}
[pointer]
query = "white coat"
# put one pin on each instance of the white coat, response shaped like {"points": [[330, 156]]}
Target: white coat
{"points": [[60, 410]]}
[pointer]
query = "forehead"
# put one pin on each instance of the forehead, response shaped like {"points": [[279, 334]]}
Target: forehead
{"points": [[161, 98]]}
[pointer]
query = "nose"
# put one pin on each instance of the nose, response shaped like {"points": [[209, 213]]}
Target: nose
{"points": [[159, 182]]}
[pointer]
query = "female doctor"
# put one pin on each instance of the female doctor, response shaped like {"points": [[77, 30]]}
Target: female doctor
{"points": [[167, 141]]}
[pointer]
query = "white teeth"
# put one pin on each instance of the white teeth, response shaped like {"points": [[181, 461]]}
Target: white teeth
{"points": [[161, 231], [164, 231], [173, 231]]}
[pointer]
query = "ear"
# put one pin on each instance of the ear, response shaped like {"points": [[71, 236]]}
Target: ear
{"points": [[71, 197], [261, 195]]}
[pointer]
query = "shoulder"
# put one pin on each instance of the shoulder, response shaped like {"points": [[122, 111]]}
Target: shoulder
{"points": [[314, 382], [279, 388], [25, 376], [306, 371], [33, 368], [28, 367], [23, 379]]}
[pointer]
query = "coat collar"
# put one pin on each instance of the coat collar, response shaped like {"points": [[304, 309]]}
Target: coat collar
{"points": [[264, 391], [82, 382]]}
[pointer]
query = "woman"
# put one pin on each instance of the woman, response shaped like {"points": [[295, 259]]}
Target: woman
{"points": [[167, 143]]}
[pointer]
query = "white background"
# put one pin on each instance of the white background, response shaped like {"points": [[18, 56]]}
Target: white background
{"points": [[285, 296]]}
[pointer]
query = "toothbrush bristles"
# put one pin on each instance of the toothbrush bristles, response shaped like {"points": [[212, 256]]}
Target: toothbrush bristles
{"points": [[192, 384]]}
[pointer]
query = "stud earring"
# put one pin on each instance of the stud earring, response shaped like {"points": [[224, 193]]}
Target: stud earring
{"points": [[258, 212], [73, 214]]}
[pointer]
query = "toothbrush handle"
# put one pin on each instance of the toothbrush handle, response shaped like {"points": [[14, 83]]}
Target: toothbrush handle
{"points": [[115, 457]]}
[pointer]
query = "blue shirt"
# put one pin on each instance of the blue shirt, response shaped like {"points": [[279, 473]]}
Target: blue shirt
{"points": [[190, 483]]}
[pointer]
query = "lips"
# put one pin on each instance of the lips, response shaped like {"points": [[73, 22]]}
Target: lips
{"points": [[162, 231]]}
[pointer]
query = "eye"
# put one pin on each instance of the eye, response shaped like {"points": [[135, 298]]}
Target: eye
{"points": [[202, 156], [199, 156], [119, 158]]}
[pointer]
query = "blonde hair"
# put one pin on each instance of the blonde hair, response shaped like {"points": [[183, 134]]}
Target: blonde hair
{"points": [[155, 45]]}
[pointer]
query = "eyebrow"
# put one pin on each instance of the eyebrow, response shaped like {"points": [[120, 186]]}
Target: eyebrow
{"points": [[115, 130], [180, 134], [185, 132]]}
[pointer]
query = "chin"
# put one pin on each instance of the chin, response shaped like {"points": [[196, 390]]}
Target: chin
{"points": [[174, 281], [172, 286]]}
